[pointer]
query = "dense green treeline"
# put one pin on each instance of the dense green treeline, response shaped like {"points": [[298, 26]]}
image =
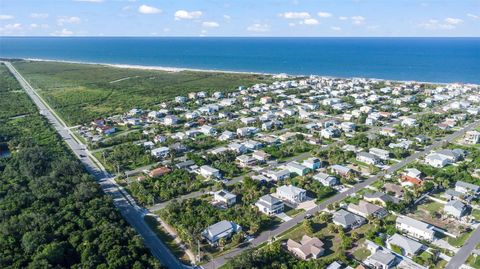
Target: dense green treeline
{"points": [[52, 213], [13, 101]]}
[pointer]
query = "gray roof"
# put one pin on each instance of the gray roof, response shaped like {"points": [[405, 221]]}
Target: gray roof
{"points": [[414, 223], [382, 257], [220, 229], [268, 200], [382, 196], [467, 185], [456, 204], [346, 218], [409, 245]]}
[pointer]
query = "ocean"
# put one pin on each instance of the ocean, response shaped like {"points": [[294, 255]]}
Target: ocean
{"points": [[419, 59]]}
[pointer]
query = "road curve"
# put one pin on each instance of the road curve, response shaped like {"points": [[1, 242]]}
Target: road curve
{"points": [[121, 199]]}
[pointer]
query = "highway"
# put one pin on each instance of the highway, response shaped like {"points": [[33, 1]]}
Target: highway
{"points": [[266, 235], [121, 199]]}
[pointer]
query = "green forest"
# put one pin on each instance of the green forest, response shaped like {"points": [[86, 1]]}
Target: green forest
{"points": [[52, 213], [82, 92]]}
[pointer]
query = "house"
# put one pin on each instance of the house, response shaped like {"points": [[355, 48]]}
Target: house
{"points": [[279, 175], [455, 209], [347, 219], [226, 135], [158, 172], [225, 197], [437, 160], [366, 209], [472, 137], [312, 163], [160, 152], [380, 198], [380, 153], [246, 131], [248, 120], [245, 160], [415, 228], [412, 176], [261, 156], [388, 131], [106, 130], [170, 120], [341, 170], [367, 158], [381, 260], [185, 165], [223, 229], [291, 193], [409, 247], [252, 144], [148, 144], [269, 205], [307, 248], [395, 189], [297, 168], [237, 148], [208, 130], [467, 188], [326, 179], [209, 172]]}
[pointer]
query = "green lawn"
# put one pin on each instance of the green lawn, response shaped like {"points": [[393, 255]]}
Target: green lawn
{"points": [[474, 262], [459, 241], [361, 253]]}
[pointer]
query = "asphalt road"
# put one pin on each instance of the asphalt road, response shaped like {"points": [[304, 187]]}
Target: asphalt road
{"points": [[121, 199], [462, 255], [266, 235]]}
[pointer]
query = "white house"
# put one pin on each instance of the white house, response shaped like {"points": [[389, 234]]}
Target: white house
{"points": [[160, 152], [408, 246], [367, 158], [225, 197], [437, 160], [455, 209], [209, 172], [312, 163], [297, 168], [326, 179], [269, 205], [415, 228], [170, 120], [291, 193], [380, 153], [219, 230]]}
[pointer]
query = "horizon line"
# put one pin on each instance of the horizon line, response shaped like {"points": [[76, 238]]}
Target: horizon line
{"points": [[150, 36]]}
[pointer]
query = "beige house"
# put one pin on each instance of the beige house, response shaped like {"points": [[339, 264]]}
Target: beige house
{"points": [[307, 248]]}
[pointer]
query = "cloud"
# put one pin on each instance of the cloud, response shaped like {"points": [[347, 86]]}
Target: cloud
{"points": [[258, 28], [343, 18], [357, 20], [310, 22], [6, 17], [295, 15], [144, 9], [324, 14], [68, 20], [336, 28], [11, 28], [38, 15], [63, 32], [446, 24], [210, 24], [89, 1], [453, 21], [187, 15], [227, 17], [473, 16]]}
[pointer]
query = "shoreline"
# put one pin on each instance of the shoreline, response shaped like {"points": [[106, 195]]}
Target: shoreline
{"points": [[181, 69]]}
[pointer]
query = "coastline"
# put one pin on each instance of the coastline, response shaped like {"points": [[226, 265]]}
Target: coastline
{"points": [[181, 69]]}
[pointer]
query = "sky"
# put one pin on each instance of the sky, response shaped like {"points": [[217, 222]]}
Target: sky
{"points": [[285, 18]]}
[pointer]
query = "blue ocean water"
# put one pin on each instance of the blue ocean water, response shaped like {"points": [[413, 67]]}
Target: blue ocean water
{"points": [[420, 59]]}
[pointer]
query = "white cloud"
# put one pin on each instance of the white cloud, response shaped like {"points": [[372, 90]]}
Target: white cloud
{"points": [[68, 20], [63, 32], [310, 22], [12, 27], [453, 21], [38, 15], [6, 17], [90, 1], [295, 15], [258, 28], [187, 15], [343, 18], [358, 20], [144, 9], [324, 14], [336, 28], [227, 17], [473, 16], [210, 24]]}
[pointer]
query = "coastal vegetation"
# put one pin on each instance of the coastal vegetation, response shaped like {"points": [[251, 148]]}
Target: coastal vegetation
{"points": [[83, 92], [53, 214]]}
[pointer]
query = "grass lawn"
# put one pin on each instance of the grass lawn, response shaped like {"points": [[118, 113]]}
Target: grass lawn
{"points": [[474, 262], [476, 214], [82, 92], [166, 239], [460, 240], [292, 212], [361, 253]]}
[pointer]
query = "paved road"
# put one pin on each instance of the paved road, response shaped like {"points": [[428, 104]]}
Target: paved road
{"points": [[121, 199], [266, 235], [462, 255]]}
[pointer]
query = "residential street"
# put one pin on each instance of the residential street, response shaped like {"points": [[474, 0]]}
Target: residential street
{"points": [[462, 255]]}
